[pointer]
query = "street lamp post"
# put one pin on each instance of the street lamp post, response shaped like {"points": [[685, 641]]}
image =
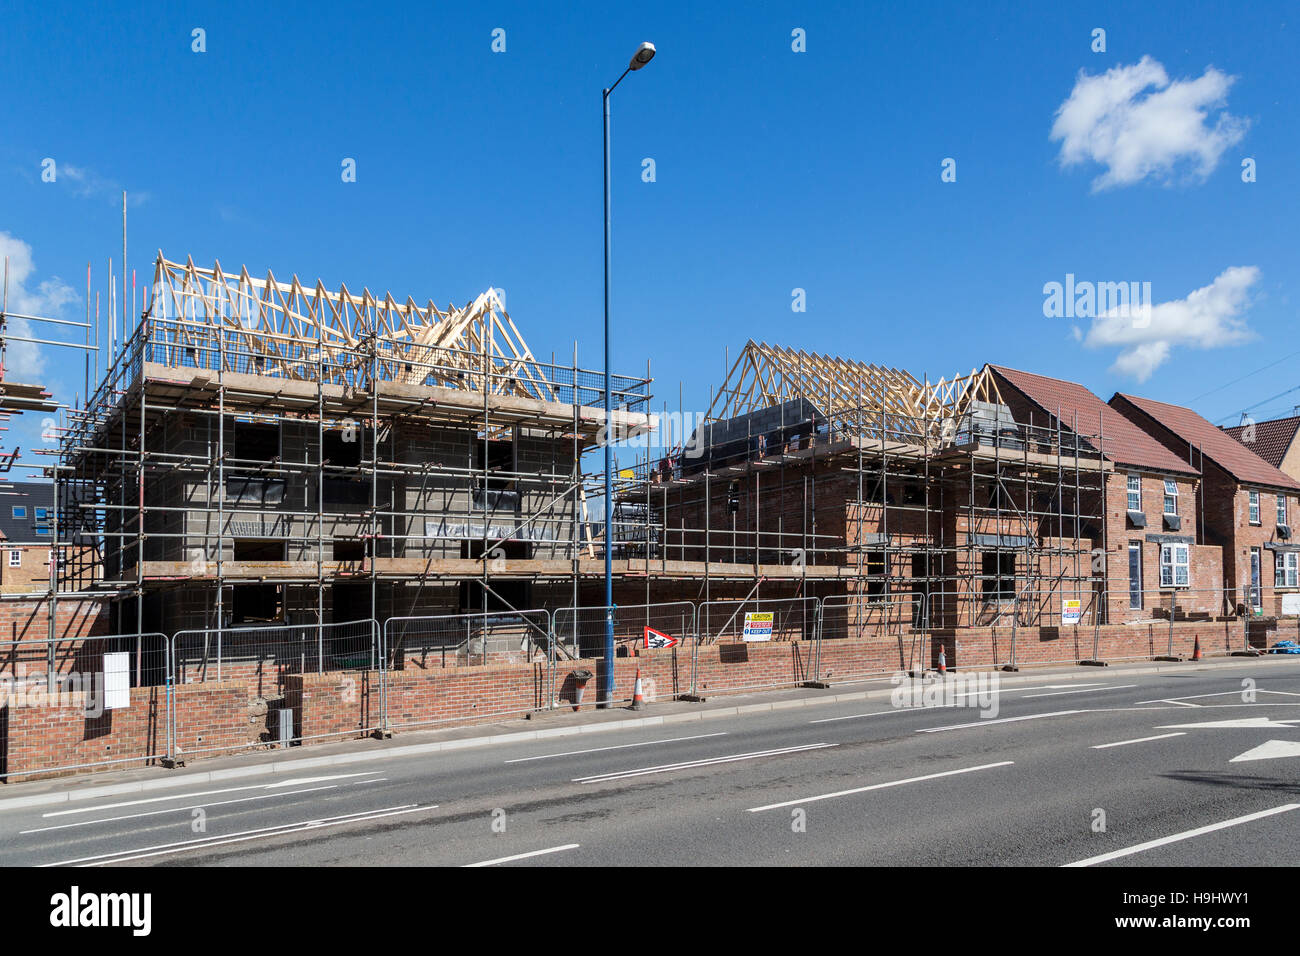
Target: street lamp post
{"points": [[644, 54]]}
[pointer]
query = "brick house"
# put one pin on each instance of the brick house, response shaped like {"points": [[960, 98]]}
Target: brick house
{"points": [[26, 513], [1148, 526], [1274, 441], [1247, 505]]}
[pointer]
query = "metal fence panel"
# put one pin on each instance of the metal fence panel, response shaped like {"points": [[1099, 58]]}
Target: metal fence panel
{"points": [[863, 636], [736, 655], [251, 688], [580, 632], [442, 669], [82, 703]]}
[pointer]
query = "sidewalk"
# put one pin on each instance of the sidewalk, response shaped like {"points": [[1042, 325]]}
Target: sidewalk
{"points": [[538, 726]]}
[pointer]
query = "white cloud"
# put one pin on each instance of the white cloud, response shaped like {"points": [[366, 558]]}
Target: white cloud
{"points": [[23, 360], [1111, 119], [1209, 317], [88, 184]]}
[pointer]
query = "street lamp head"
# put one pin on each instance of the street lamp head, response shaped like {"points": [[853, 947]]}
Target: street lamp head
{"points": [[643, 55]]}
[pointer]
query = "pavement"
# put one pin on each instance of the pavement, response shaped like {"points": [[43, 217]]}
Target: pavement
{"points": [[1152, 764]]}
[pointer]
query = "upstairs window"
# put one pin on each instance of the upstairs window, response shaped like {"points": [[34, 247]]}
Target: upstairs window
{"points": [[15, 558], [1281, 509], [1254, 507], [1134, 492], [1171, 497], [20, 511]]}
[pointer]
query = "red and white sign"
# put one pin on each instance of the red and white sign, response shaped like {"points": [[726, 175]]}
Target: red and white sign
{"points": [[659, 639]]}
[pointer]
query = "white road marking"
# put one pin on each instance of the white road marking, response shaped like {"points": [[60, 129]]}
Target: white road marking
{"points": [[999, 720], [693, 764], [204, 806], [874, 713], [163, 849], [196, 806], [1241, 722], [1186, 835], [1179, 700], [1060, 692], [1140, 740], [877, 786], [1269, 750], [201, 793], [524, 856], [594, 750]]}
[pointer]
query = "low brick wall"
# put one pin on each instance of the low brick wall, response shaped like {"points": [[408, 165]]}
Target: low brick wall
{"points": [[39, 740]]}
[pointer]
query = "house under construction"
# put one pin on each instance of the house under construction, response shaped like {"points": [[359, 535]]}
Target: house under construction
{"points": [[267, 451], [863, 482]]}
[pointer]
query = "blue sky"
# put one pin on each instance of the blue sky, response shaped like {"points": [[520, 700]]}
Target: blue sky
{"points": [[775, 170]]}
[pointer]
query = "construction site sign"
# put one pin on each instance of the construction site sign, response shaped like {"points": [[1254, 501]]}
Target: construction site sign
{"points": [[758, 626], [1071, 611], [658, 639]]}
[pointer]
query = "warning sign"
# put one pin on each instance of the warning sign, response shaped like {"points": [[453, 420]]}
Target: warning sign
{"points": [[1071, 611], [658, 639], [758, 626]]}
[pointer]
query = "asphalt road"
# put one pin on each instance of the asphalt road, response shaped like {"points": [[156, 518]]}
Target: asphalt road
{"points": [[1178, 768]]}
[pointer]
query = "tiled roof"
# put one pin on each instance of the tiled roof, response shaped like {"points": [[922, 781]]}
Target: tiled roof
{"points": [[1121, 440], [1272, 439], [29, 495], [1217, 445]]}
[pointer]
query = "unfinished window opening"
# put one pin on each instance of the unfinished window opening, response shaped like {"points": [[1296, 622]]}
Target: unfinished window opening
{"points": [[877, 586], [255, 443], [498, 455], [256, 603], [998, 575], [349, 549], [341, 447], [258, 549]]}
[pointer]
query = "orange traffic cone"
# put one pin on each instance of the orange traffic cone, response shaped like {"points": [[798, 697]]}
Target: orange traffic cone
{"points": [[1196, 649], [943, 661], [638, 697]]}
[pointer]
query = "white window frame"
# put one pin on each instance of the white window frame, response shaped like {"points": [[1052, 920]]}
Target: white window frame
{"points": [[19, 511], [15, 557], [1254, 507], [1286, 569], [1131, 490], [1171, 494], [1281, 509], [1175, 558]]}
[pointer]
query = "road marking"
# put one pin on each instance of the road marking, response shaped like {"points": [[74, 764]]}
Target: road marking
{"points": [[874, 713], [693, 764], [878, 786], [594, 750], [1269, 750], [204, 806], [1089, 690], [1140, 740], [523, 856], [201, 793], [1179, 700], [154, 813], [1186, 835], [163, 849], [999, 720], [1242, 722]]}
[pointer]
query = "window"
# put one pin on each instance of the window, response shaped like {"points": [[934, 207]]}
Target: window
{"points": [[1134, 575], [1254, 507], [877, 586], [1281, 509], [1171, 497], [20, 511], [1134, 492], [1174, 566], [999, 575], [15, 558], [1286, 570], [43, 514], [1256, 567]]}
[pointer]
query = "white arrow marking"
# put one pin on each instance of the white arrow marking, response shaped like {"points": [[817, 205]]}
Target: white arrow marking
{"points": [[1269, 751]]}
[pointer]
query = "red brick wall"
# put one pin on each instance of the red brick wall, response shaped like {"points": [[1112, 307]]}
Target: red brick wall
{"points": [[27, 619], [40, 739]]}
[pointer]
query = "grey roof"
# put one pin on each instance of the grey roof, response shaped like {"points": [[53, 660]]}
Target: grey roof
{"points": [[28, 494]]}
